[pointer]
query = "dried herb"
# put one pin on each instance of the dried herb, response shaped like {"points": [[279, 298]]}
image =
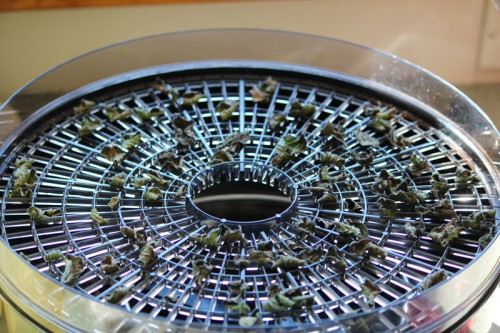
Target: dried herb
{"points": [[407, 195], [201, 270], [242, 262], [418, 165], [277, 121], [209, 240], [39, 214], [237, 304], [24, 176], [18, 192], [385, 183], [365, 245], [84, 106], [445, 233], [439, 186], [484, 240], [337, 131], [170, 161], [118, 180], [221, 156], [288, 146], [152, 193], [327, 197], [295, 245], [320, 187], [332, 253], [287, 263], [323, 222], [478, 220], [148, 114], [88, 126], [235, 141], [157, 178], [115, 113], [300, 110], [366, 140], [441, 209], [171, 299], [398, 141], [140, 181], [109, 264], [230, 236], [189, 98], [226, 109], [147, 254], [265, 246], [361, 226], [338, 259], [28, 179], [380, 117], [127, 231], [22, 167], [94, 214], [311, 255], [262, 92], [277, 303], [348, 230], [331, 159], [387, 207], [184, 134], [273, 290], [434, 278], [181, 191], [112, 153], [184, 139], [305, 225], [261, 257], [370, 291], [113, 202], [465, 176], [131, 140], [287, 299], [324, 174], [414, 230], [117, 295], [53, 255], [167, 89], [294, 144], [74, 266], [381, 113], [342, 176], [181, 123], [420, 195], [139, 235], [237, 287], [353, 206], [363, 157], [380, 125]]}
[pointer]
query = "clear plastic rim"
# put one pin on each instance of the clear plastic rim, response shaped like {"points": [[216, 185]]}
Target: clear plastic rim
{"points": [[480, 128]]}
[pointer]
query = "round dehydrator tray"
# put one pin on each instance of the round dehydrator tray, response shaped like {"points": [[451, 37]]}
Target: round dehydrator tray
{"points": [[309, 185]]}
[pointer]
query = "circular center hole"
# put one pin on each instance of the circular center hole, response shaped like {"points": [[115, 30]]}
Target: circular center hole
{"points": [[242, 194], [242, 201]]}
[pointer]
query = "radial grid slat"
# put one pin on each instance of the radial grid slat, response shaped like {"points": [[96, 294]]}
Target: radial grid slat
{"points": [[74, 176]]}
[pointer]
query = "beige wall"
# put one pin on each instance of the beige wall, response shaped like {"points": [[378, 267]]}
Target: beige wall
{"points": [[448, 37]]}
